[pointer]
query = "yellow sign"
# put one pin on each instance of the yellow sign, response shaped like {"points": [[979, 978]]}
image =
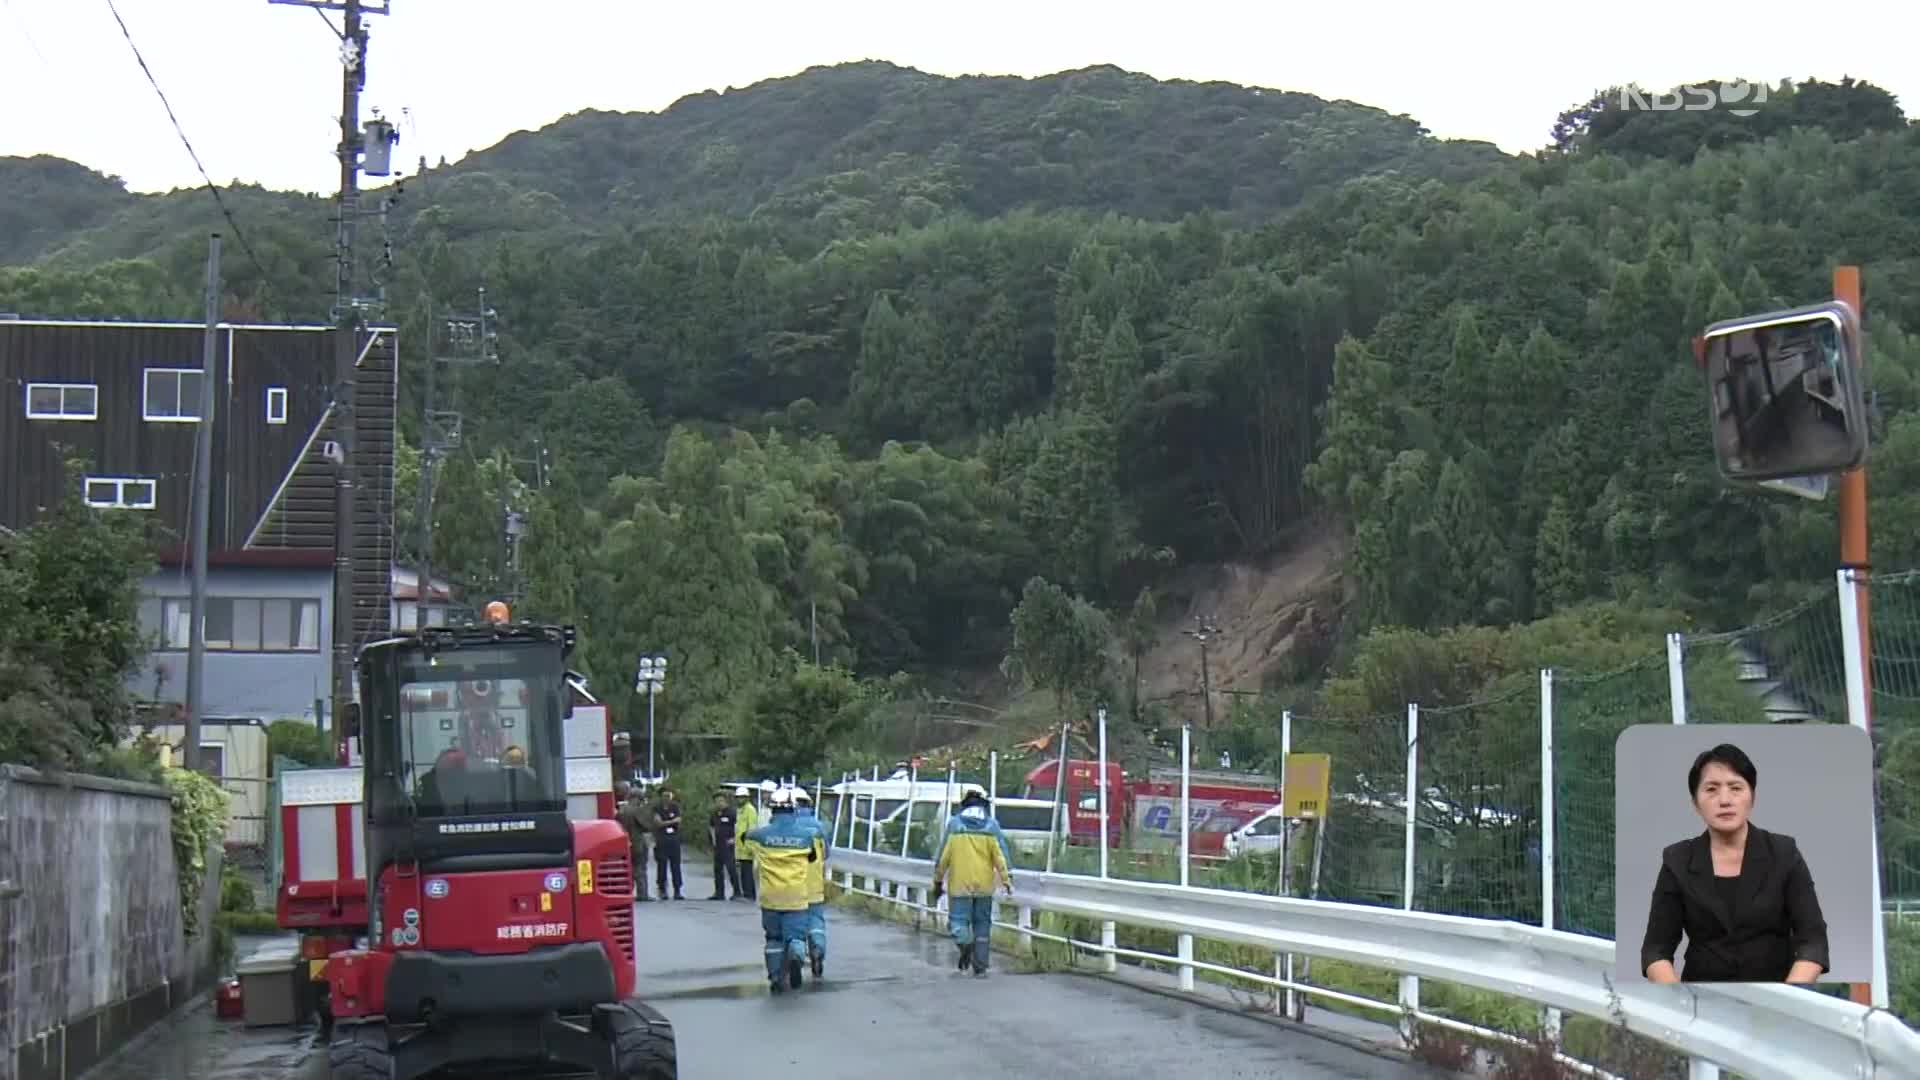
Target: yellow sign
{"points": [[546, 901], [1307, 779], [585, 868], [316, 970]]}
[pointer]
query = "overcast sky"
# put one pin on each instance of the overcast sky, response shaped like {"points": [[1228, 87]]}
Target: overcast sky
{"points": [[256, 86]]}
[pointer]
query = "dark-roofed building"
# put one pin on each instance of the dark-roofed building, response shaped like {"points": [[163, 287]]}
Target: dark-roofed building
{"points": [[125, 396]]}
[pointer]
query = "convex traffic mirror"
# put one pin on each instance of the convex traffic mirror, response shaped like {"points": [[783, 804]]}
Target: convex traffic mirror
{"points": [[1785, 392]]}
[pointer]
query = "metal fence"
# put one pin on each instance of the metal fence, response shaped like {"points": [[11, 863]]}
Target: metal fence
{"points": [[1515, 814]]}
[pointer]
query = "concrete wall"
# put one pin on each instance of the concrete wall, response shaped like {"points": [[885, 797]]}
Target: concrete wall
{"points": [[92, 944], [265, 685]]}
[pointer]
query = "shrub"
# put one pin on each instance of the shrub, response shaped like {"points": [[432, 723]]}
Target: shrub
{"points": [[199, 822]]}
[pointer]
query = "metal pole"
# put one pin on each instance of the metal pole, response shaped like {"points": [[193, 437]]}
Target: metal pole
{"points": [[345, 354], [1101, 715], [873, 810], [993, 782], [1186, 803], [946, 808], [1059, 794], [1677, 677], [1859, 709], [651, 687], [1413, 798], [1546, 798], [202, 510], [906, 820]]}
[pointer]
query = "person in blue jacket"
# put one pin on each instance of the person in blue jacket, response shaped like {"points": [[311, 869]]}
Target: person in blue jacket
{"points": [[973, 859], [816, 881]]}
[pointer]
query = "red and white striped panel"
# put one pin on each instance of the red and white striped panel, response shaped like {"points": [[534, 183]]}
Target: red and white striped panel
{"points": [[321, 816]]}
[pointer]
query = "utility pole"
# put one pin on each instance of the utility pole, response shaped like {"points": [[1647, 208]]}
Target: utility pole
{"points": [[457, 340], [202, 510], [353, 59], [429, 447], [1203, 631]]}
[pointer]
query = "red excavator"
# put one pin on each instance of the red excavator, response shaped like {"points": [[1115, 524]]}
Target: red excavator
{"points": [[500, 933]]}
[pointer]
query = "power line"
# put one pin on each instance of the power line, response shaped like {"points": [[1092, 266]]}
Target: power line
{"points": [[238, 233]]}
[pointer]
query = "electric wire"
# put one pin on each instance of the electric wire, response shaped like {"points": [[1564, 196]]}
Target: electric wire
{"points": [[239, 234]]}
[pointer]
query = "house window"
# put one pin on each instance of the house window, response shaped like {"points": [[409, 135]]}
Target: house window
{"points": [[121, 493], [213, 760], [276, 404], [172, 395], [63, 401], [245, 624]]}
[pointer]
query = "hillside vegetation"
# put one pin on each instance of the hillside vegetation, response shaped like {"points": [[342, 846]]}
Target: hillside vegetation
{"points": [[860, 354]]}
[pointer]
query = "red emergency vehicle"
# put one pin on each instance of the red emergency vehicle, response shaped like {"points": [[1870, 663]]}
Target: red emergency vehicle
{"points": [[321, 891], [1144, 812]]}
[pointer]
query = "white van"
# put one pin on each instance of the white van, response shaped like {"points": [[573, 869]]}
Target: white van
{"points": [[1026, 823], [888, 801]]}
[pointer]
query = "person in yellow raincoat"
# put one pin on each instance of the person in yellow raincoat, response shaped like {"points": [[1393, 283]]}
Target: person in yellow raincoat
{"points": [[746, 817], [973, 859], [783, 848]]}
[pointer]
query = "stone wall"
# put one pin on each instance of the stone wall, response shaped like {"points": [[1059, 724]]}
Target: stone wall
{"points": [[92, 944]]}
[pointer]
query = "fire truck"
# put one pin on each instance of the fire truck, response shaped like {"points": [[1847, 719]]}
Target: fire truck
{"points": [[489, 763], [1143, 812]]}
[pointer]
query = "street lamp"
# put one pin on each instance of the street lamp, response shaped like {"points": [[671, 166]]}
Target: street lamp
{"points": [[653, 675]]}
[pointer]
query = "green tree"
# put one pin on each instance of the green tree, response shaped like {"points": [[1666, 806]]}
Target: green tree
{"points": [[794, 720], [1059, 644], [70, 584]]}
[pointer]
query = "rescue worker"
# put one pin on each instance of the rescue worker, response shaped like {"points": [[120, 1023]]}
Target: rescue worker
{"points": [[973, 858], [784, 847], [722, 834], [746, 817], [666, 844], [635, 817], [816, 881]]}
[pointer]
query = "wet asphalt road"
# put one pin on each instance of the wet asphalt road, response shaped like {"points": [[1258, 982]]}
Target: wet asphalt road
{"points": [[891, 1005]]}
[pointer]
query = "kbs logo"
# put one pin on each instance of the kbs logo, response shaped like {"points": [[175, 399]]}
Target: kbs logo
{"points": [[1727, 96]]}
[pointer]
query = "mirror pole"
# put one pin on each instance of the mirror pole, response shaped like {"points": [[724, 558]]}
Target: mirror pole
{"points": [[1853, 531]]}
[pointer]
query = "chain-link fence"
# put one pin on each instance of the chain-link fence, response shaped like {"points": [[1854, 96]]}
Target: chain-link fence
{"points": [[1588, 711]]}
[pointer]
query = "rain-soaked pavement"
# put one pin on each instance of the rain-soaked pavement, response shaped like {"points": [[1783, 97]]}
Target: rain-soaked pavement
{"points": [[891, 1004]]}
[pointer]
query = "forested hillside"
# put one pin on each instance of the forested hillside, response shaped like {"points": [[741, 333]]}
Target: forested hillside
{"points": [[866, 351]]}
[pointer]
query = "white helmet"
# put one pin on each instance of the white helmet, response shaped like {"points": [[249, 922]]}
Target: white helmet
{"points": [[743, 791], [768, 785], [780, 799]]}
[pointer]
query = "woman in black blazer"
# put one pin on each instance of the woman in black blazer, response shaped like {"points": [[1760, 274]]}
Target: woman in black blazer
{"points": [[1743, 896]]}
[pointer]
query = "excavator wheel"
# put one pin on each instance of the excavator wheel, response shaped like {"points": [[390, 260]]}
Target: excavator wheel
{"points": [[359, 1052], [643, 1046]]}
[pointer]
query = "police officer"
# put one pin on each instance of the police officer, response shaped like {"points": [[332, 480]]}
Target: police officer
{"points": [[722, 835], [816, 882], [783, 848]]}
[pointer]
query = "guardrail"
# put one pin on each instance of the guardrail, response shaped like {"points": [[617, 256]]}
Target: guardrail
{"points": [[1759, 1031]]}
